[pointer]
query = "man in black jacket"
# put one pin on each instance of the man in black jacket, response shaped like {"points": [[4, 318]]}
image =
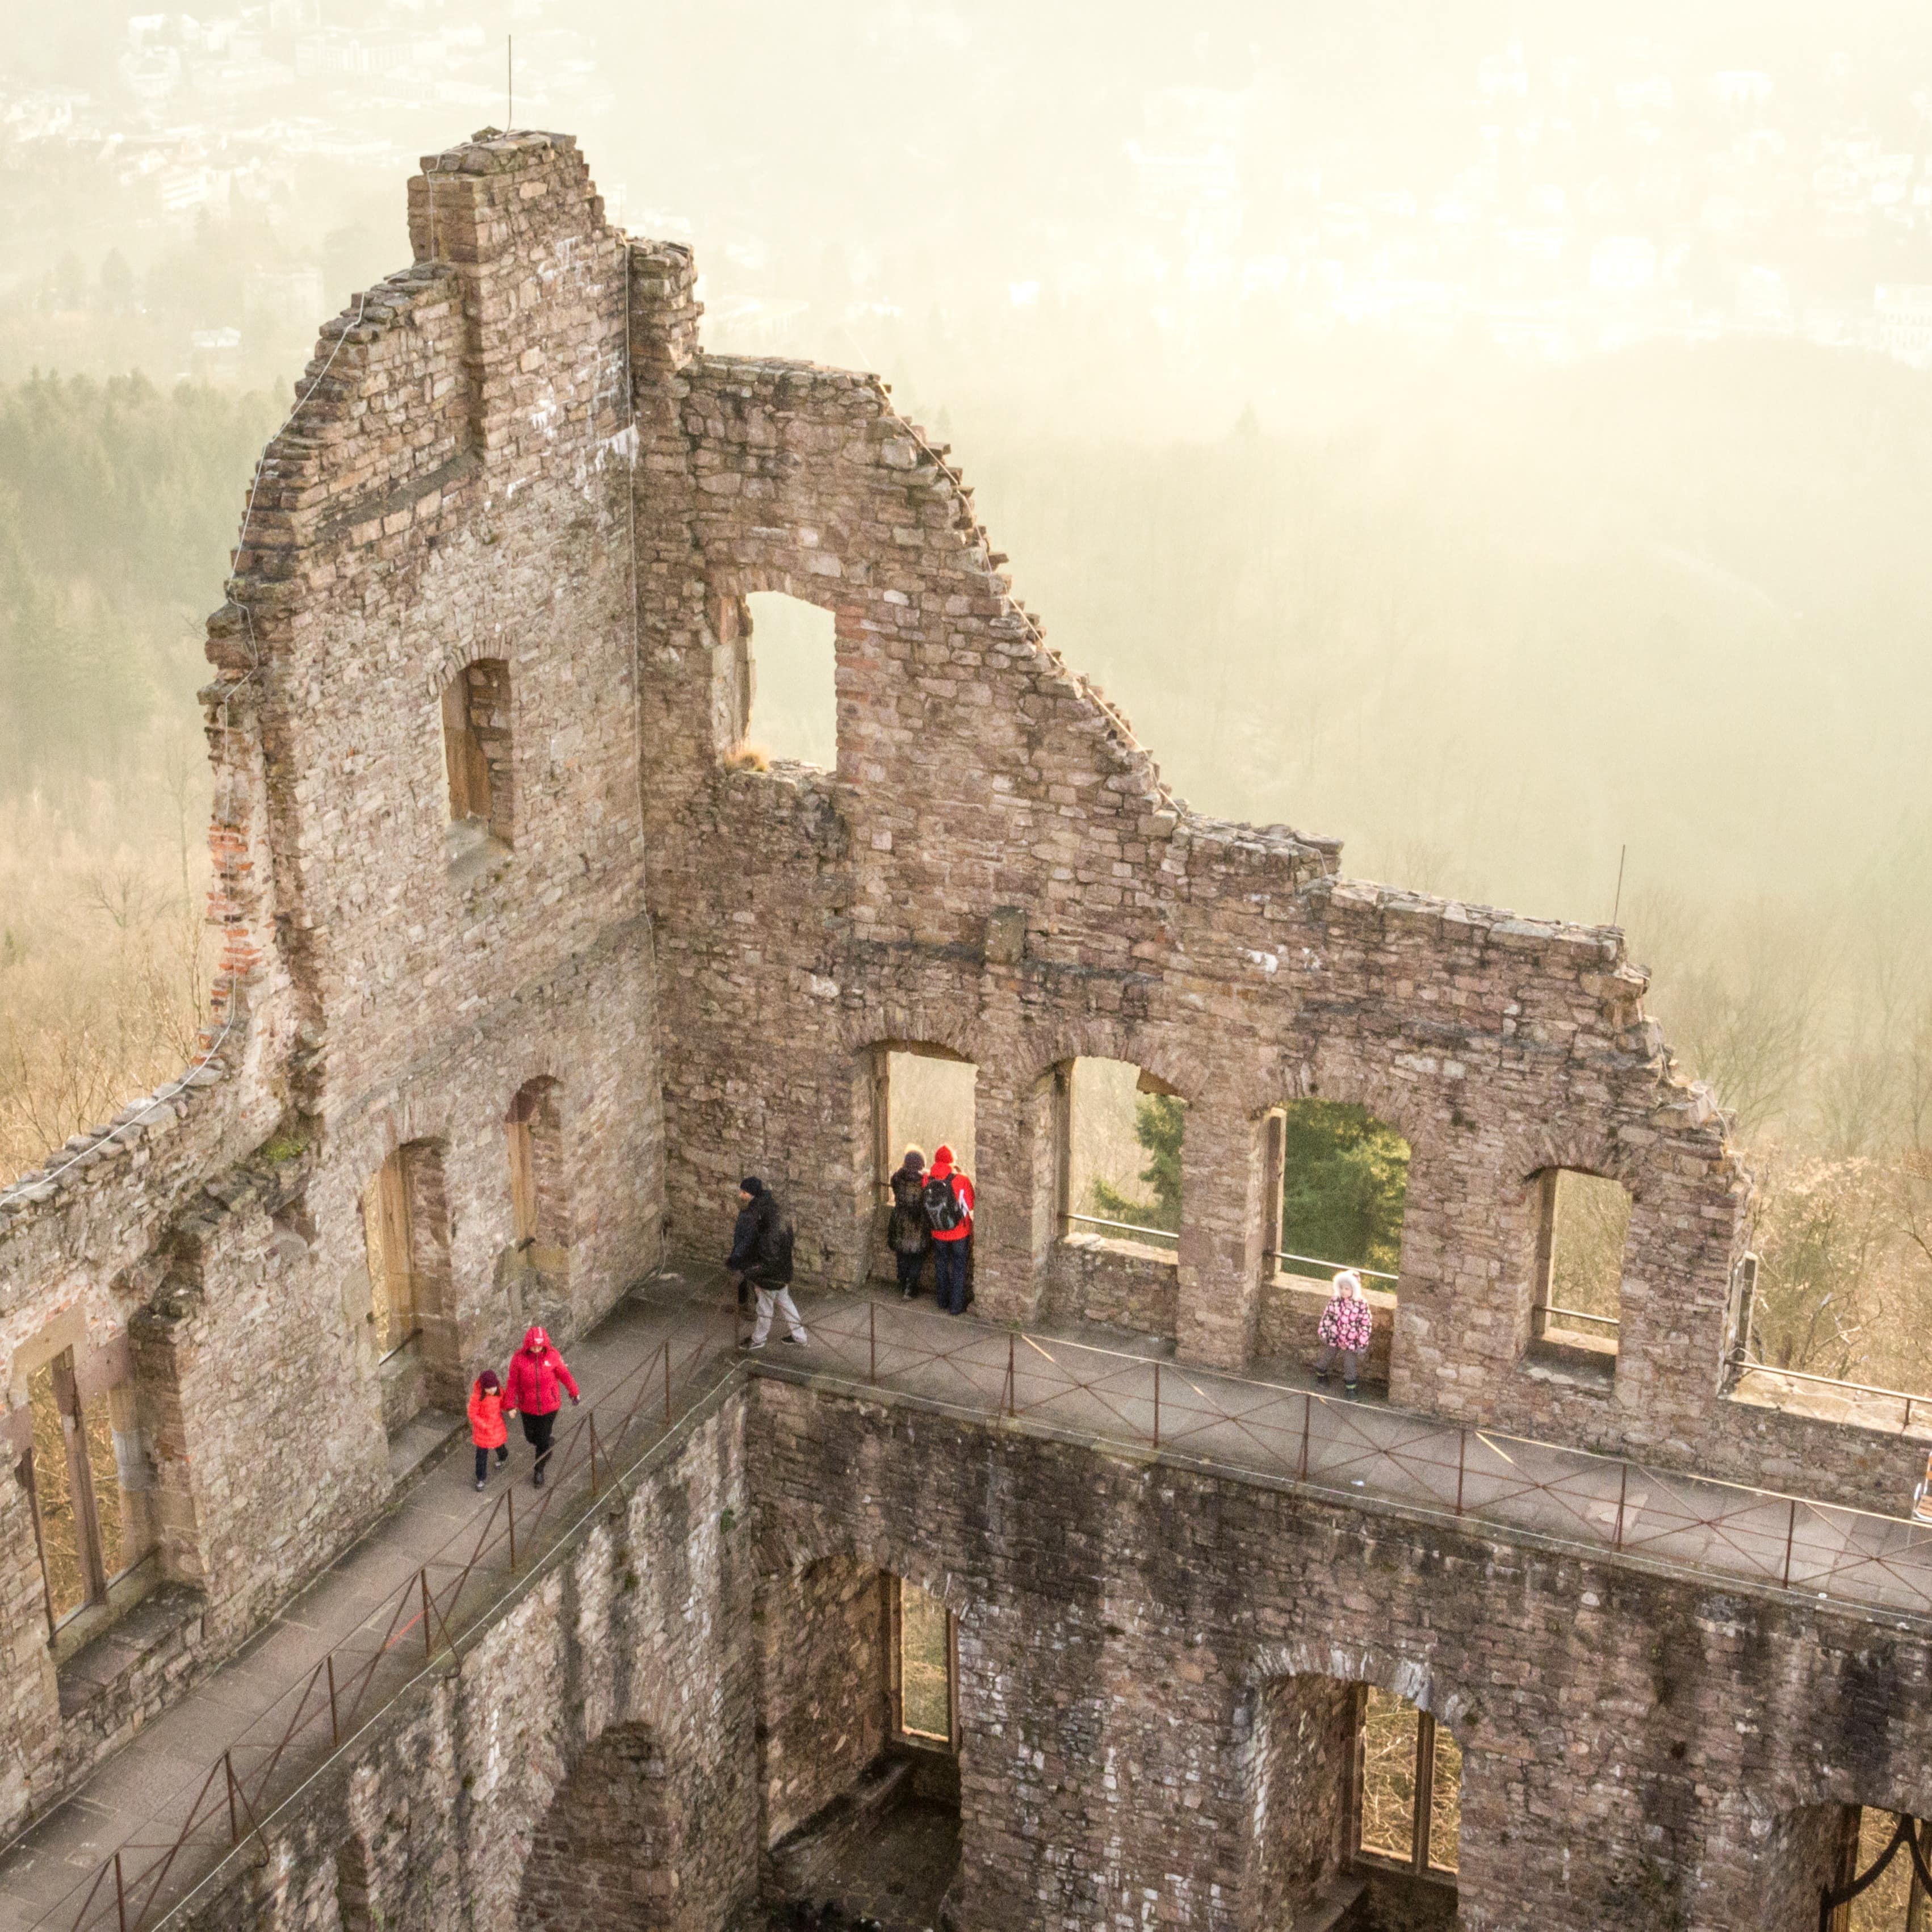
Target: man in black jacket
{"points": [[761, 1255]]}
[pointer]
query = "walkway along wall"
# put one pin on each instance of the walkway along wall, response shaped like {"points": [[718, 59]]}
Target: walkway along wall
{"points": [[1638, 1751]]}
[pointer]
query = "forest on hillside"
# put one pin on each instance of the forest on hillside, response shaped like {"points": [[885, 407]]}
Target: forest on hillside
{"points": [[1662, 614]]}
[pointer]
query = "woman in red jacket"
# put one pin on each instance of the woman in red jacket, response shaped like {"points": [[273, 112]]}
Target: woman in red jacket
{"points": [[535, 1370]]}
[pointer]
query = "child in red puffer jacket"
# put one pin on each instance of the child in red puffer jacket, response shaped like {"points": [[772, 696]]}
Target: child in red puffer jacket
{"points": [[487, 1430]]}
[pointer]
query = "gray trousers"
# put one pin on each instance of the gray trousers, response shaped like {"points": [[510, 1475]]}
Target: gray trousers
{"points": [[1352, 1361], [778, 1300]]}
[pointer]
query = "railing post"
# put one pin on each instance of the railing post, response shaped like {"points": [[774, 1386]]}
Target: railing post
{"points": [[228, 1773], [120, 1894], [1156, 1403], [593, 1419], [667, 1354], [1307, 1412], [1790, 1533], [510, 1498], [1623, 1490], [1462, 1460], [872, 1340], [334, 1727], [422, 1578], [1013, 1397]]}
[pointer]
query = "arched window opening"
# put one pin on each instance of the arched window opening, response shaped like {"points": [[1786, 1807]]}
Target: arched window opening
{"points": [[775, 689], [1583, 1223], [406, 1231], [922, 1097], [859, 1736], [1358, 1806], [476, 759], [1124, 1129]]}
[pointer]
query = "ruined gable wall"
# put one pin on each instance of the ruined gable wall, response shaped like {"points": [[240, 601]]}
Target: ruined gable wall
{"points": [[994, 867], [451, 485]]}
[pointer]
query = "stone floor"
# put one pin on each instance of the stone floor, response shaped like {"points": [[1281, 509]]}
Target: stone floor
{"points": [[887, 1863]]}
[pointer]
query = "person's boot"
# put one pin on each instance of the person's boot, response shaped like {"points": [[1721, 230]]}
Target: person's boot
{"points": [[1321, 1376], [537, 1480], [482, 1482], [1348, 1390]]}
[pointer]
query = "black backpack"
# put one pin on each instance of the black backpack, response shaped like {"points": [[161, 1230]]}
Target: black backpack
{"points": [[943, 1209]]}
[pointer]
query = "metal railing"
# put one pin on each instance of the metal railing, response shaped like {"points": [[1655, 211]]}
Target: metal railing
{"points": [[1139, 1229], [448, 1597], [1580, 1315], [1336, 1449], [1331, 1269], [1693, 1525], [1834, 1381]]}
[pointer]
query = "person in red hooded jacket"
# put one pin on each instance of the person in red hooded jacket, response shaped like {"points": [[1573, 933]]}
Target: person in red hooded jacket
{"points": [[536, 1370], [949, 1212]]}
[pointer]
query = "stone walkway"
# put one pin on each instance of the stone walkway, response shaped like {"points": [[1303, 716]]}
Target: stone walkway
{"points": [[663, 1350]]}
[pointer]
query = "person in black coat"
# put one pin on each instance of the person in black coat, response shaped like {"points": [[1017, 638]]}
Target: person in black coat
{"points": [[908, 1233], [760, 1256]]}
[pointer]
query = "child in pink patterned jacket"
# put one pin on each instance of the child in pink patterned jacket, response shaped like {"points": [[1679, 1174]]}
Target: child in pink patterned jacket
{"points": [[1346, 1324]]}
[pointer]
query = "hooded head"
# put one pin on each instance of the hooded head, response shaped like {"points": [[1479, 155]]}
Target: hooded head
{"points": [[752, 1185], [487, 1382], [915, 1161], [535, 1341], [1348, 1285], [942, 1161]]}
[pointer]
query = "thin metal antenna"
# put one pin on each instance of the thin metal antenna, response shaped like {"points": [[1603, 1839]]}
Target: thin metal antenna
{"points": [[1623, 852], [509, 81]]}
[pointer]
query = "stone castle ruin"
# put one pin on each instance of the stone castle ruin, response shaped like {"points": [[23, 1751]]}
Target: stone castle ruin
{"points": [[525, 961]]}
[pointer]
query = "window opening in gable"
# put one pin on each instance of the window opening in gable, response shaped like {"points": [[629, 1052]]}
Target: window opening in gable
{"points": [[1582, 1224], [1122, 1132], [786, 657], [476, 759]]}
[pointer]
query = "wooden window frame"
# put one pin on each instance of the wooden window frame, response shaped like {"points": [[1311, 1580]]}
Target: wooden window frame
{"points": [[90, 1548], [1417, 1865]]}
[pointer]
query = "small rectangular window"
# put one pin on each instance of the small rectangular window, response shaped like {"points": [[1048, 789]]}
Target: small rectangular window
{"points": [[1408, 1788], [1582, 1224], [923, 1670]]}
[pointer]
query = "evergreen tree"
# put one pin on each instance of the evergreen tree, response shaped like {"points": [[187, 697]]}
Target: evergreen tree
{"points": [[1160, 1122]]}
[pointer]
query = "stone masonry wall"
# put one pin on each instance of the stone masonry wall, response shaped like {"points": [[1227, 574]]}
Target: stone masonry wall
{"points": [[452, 489], [1155, 1665], [513, 464], [993, 867], [1634, 1745]]}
